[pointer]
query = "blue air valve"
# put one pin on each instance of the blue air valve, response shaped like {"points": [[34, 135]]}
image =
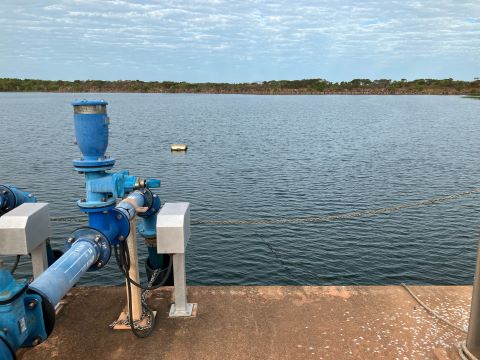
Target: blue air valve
{"points": [[11, 197], [102, 188], [91, 131]]}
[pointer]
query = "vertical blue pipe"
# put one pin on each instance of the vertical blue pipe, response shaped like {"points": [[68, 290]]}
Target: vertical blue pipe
{"points": [[59, 278], [91, 128]]}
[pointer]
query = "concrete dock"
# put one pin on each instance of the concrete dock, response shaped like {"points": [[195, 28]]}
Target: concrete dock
{"points": [[266, 322]]}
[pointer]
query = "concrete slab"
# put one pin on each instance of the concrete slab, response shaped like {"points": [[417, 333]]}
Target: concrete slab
{"points": [[266, 322]]}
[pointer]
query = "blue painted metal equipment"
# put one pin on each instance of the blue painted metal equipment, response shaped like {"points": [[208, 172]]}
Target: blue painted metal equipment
{"points": [[21, 316], [27, 313], [11, 197], [91, 131], [59, 278], [102, 188]]}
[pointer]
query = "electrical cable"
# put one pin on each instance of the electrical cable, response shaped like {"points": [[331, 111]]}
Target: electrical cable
{"points": [[431, 311], [124, 270], [15, 264], [123, 261], [464, 353]]}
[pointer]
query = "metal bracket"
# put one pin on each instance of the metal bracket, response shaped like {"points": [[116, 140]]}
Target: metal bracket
{"points": [[25, 230], [173, 232], [180, 308]]}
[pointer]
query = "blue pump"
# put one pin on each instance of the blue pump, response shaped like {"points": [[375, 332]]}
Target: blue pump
{"points": [[27, 314]]}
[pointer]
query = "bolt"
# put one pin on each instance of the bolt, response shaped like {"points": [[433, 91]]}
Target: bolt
{"points": [[5, 330], [82, 200], [36, 341], [99, 264], [71, 240], [154, 195], [121, 238], [4, 192], [30, 195], [105, 212], [32, 304], [119, 217], [103, 199], [97, 238]]}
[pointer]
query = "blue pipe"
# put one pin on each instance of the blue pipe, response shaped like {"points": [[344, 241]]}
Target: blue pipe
{"points": [[6, 352], [11, 197], [59, 278]]}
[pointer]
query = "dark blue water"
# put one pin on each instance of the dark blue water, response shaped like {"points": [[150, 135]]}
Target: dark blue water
{"points": [[263, 157]]}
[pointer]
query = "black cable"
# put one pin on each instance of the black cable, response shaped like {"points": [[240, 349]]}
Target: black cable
{"points": [[124, 266], [123, 262], [138, 333], [15, 265]]}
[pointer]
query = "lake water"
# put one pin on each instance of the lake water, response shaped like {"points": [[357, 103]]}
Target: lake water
{"points": [[269, 157]]}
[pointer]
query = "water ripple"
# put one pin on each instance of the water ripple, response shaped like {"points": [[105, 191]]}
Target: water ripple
{"points": [[272, 157]]}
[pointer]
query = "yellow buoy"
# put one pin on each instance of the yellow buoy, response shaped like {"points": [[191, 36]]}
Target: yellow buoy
{"points": [[179, 147]]}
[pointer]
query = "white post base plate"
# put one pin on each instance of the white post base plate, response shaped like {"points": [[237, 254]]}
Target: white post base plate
{"points": [[190, 312]]}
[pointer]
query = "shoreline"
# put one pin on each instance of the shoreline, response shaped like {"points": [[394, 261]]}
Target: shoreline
{"points": [[95, 91]]}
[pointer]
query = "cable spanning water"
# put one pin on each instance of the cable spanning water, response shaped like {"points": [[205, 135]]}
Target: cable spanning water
{"points": [[320, 218]]}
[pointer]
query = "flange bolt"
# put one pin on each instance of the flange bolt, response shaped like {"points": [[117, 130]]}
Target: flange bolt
{"points": [[32, 304]]}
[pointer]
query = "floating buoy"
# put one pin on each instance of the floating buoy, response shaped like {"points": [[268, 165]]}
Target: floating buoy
{"points": [[179, 147]]}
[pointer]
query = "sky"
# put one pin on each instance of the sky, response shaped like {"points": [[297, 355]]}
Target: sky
{"points": [[239, 41]]}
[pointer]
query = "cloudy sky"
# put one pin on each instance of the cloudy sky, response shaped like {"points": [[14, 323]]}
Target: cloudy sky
{"points": [[236, 41]]}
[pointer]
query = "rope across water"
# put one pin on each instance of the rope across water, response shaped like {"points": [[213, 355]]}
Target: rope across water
{"points": [[319, 218]]}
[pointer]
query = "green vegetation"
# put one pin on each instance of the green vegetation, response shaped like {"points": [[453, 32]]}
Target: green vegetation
{"points": [[280, 87]]}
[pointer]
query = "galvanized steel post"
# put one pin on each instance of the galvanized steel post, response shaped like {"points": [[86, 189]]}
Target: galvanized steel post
{"points": [[471, 349]]}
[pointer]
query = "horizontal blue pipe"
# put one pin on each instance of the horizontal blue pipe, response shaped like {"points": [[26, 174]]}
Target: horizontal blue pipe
{"points": [[130, 203], [59, 278]]}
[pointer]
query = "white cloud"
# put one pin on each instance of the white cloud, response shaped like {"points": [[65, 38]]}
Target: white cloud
{"points": [[244, 31]]}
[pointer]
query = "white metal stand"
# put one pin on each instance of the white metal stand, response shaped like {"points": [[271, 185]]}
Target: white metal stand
{"points": [[180, 308], [39, 259], [25, 230], [173, 233]]}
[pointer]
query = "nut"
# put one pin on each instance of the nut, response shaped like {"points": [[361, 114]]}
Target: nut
{"points": [[32, 304]]}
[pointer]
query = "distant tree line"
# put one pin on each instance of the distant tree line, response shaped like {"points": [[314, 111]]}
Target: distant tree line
{"points": [[280, 87]]}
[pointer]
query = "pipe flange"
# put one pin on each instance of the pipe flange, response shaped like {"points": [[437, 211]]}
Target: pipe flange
{"points": [[96, 238], [123, 226], [9, 199], [152, 203]]}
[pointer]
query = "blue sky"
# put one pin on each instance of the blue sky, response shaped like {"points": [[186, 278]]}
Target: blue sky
{"points": [[239, 41]]}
